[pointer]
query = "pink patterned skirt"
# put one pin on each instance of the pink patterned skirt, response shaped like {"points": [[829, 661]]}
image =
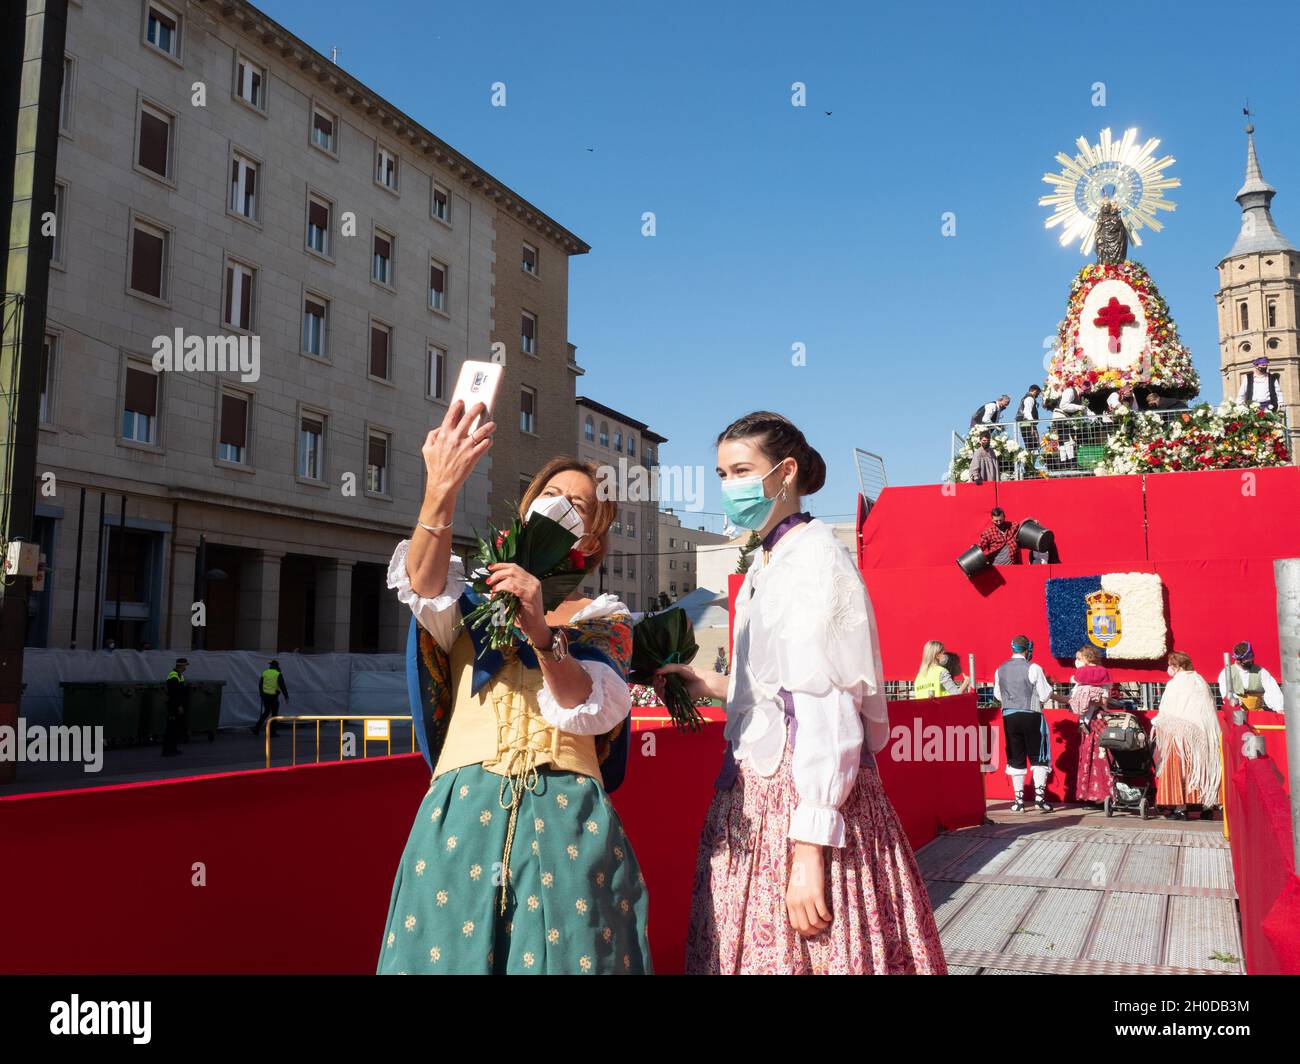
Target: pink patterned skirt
{"points": [[881, 924], [1094, 779]]}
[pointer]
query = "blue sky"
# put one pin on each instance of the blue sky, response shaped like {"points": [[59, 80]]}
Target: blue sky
{"points": [[780, 225]]}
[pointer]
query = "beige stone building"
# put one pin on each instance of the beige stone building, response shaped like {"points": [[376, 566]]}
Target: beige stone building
{"points": [[681, 550], [627, 453], [219, 177], [1259, 295]]}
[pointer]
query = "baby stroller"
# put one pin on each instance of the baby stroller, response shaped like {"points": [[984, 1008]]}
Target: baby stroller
{"points": [[1131, 755]]}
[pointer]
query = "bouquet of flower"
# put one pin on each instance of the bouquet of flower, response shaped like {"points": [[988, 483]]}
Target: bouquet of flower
{"points": [[540, 546], [665, 639]]}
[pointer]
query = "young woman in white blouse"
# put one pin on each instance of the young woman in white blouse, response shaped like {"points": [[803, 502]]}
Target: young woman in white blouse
{"points": [[803, 865], [521, 744]]}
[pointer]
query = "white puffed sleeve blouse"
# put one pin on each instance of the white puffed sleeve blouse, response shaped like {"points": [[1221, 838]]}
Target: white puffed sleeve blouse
{"points": [[610, 700], [804, 625]]}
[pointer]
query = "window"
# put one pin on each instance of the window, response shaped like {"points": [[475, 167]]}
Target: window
{"points": [[672, 564], [318, 225], [530, 259], [250, 83], [154, 152], [315, 312], [324, 130], [1272, 314], [441, 204], [604, 434], [671, 543], [618, 440], [528, 334], [163, 30], [672, 587], [381, 269], [377, 463], [437, 285], [650, 455], [528, 409], [588, 590], [381, 343], [148, 260], [232, 442], [1244, 315], [243, 186], [631, 445], [618, 563], [630, 524], [48, 349], [140, 406], [588, 429], [60, 217], [630, 599], [437, 373], [240, 292], [311, 447], [386, 168], [65, 95], [631, 565]]}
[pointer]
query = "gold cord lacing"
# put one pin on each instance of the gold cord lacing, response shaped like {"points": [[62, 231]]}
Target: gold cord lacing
{"points": [[521, 738]]}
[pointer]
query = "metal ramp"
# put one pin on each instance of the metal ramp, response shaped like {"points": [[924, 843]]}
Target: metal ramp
{"points": [[1075, 893]]}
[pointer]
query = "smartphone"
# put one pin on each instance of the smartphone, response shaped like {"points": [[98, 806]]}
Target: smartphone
{"points": [[478, 383]]}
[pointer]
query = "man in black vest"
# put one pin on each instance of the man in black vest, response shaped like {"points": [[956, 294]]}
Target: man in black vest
{"points": [[1027, 418], [990, 413], [1261, 387]]}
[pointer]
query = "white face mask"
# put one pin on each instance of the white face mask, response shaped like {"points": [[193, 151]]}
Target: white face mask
{"points": [[559, 510], [1079, 663], [1172, 673]]}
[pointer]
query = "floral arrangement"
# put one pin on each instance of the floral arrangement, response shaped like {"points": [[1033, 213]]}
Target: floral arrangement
{"points": [[644, 697], [1165, 365], [1007, 452], [1230, 436]]}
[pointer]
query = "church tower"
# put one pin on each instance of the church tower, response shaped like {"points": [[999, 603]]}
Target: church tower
{"points": [[1259, 295]]}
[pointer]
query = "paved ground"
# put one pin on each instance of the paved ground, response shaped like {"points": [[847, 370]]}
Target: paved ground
{"points": [[231, 751], [1076, 893]]}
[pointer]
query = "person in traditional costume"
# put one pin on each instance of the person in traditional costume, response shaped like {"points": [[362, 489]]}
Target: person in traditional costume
{"points": [[933, 678], [1088, 698], [1023, 689], [803, 866], [524, 744], [1189, 768], [1248, 684]]}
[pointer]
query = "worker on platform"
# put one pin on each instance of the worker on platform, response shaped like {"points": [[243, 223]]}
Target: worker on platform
{"points": [[271, 685], [178, 701]]}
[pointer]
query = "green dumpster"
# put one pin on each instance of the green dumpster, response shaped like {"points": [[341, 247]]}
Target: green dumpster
{"points": [[153, 712], [112, 706], [204, 714]]}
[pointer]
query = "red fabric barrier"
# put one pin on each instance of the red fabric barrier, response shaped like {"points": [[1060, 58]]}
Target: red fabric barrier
{"points": [[1259, 822], [900, 532], [1098, 522], [1227, 513], [299, 866]]}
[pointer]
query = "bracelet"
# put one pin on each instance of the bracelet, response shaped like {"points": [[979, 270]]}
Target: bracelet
{"points": [[434, 528]]}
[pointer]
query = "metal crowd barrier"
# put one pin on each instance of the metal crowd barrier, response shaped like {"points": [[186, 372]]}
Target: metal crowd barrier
{"points": [[375, 728]]}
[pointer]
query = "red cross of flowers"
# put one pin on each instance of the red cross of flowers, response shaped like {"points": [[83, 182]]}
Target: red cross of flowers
{"points": [[1113, 317]]}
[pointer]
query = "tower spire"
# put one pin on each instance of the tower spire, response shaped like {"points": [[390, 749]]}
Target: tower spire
{"points": [[1258, 230]]}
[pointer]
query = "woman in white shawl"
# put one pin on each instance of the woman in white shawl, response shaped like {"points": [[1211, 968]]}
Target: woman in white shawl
{"points": [[1189, 768], [803, 866]]}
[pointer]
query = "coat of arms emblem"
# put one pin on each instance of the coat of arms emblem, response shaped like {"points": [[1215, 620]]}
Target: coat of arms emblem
{"points": [[1103, 620]]}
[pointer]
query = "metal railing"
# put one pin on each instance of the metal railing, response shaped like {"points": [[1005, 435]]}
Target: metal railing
{"points": [[375, 727], [1062, 446]]}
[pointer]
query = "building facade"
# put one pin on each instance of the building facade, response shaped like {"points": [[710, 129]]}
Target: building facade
{"points": [[1259, 295], [226, 193], [626, 452], [681, 551]]}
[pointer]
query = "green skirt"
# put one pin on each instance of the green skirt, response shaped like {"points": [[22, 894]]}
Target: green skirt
{"points": [[576, 900]]}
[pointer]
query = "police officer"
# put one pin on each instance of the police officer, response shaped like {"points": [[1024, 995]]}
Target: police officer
{"points": [[178, 701], [272, 686]]}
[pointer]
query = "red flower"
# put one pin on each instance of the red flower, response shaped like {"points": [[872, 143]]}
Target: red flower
{"points": [[501, 538], [577, 560]]}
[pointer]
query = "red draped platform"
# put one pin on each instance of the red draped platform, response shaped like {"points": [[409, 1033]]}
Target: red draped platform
{"points": [[290, 870]]}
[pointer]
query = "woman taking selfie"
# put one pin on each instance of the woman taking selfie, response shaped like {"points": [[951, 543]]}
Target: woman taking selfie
{"points": [[519, 739], [803, 865]]}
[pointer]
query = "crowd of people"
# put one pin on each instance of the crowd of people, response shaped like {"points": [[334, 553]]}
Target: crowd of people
{"points": [[1184, 732]]}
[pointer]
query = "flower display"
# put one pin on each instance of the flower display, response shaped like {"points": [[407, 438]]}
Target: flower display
{"points": [[1165, 365], [1230, 436], [1008, 452]]}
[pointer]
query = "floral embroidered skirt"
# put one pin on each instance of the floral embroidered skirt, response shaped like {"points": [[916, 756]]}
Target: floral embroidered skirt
{"points": [[1094, 779], [576, 903], [882, 921]]}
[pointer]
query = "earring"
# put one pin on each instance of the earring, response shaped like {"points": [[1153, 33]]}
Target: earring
{"points": [[783, 493]]}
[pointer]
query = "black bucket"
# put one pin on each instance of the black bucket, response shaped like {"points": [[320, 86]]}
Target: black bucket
{"points": [[973, 561], [1033, 536]]}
